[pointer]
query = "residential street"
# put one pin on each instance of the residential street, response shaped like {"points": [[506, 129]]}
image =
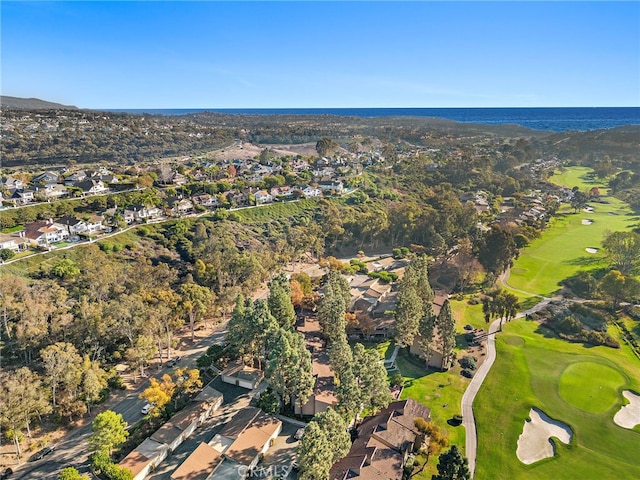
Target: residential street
{"points": [[72, 451]]}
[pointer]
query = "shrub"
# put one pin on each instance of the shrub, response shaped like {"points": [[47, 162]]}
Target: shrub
{"points": [[466, 373], [204, 361], [583, 284], [397, 380], [468, 362], [270, 402], [6, 254]]}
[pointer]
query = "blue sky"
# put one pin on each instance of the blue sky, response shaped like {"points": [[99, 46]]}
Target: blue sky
{"points": [[322, 54]]}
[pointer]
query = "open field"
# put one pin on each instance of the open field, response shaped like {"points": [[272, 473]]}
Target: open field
{"points": [[532, 369], [561, 251]]}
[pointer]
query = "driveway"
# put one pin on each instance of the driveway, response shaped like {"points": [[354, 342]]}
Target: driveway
{"points": [[278, 459]]}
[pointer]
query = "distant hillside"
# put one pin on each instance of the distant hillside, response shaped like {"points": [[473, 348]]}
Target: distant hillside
{"points": [[32, 104]]}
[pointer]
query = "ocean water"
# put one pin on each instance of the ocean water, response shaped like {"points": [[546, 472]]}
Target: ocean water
{"points": [[554, 119]]}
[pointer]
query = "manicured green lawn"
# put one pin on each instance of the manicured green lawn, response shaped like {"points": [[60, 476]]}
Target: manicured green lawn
{"points": [[590, 386], [528, 373], [561, 251], [442, 393], [578, 385], [465, 313]]}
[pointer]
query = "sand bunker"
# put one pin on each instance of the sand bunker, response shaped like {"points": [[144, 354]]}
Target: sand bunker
{"points": [[592, 250], [587, 221], [629, 415], [535, 443], [588, 209]]}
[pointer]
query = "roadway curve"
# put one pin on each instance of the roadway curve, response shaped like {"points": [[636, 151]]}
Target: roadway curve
{"points": [[468, 419]]}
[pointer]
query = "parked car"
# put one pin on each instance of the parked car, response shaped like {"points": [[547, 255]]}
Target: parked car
{"points": [[147, 408], [299, 434], [6, 473], [42, 453], [173, 361]]}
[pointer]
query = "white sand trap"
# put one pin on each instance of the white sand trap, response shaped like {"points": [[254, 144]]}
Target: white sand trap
{"points": [[587, 221], [629, 415], [588, 209], [534, 442], [592, 250]]}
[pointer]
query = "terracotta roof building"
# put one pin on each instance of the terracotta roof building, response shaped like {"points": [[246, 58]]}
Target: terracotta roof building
{"points": [[383, 443]]}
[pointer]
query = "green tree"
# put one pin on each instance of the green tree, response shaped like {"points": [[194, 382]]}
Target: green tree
{"points": [[331, 310], [289, 369], [452, 466], [623, 250], [108, 431], [618, 287], [497, 250], [93, 382], [426, 329], [326, 146], [140, 353], [71, 473], [349, 393], [408, 313], [196, 301], [61, 364], [325, 441], [6, 254], [340, 355], [372, 377], [414, 295], [314, 454], [65, 269], [447, 329], [279, 301]]}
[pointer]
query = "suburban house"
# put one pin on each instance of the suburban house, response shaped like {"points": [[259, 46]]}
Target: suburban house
{"points": [[383, 443], [11, 183], [144, 458], [94, 223], [333, 186], [311, 192], [91, 186], [52, 190], [150, 453], [74, 178], [199, 465], [323, 395], [242, 376], [43, 233], [15, 243], [46, 178], [73, 225], [205, 200], [141, 212], [179, 206], [262, 197], [21, 196], [282, 192], [243, 441]]}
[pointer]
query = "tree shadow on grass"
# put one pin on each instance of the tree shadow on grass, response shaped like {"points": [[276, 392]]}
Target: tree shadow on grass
{"points": [[585, 261]]}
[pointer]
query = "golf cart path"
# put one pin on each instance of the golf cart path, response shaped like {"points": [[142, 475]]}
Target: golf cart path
{"points": [[468, 419]]}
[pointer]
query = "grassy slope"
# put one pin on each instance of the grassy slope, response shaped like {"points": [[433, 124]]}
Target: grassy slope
{"points": [[532, 363]]}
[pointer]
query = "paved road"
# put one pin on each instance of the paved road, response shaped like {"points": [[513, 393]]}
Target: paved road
{"points": [[468, 419], [72, 450]]}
